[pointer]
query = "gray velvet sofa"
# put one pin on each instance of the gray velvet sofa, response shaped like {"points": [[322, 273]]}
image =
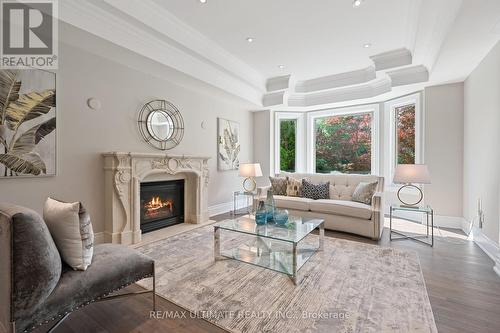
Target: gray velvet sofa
{"points": [[37, 287]]}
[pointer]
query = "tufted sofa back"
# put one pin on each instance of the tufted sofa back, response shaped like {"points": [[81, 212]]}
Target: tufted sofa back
{"points": [[342, 186]]}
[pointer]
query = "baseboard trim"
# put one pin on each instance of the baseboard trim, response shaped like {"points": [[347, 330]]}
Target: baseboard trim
{"points": [[453, 222], [220, 208], [99, 238], [489, 247], [466, 227]]}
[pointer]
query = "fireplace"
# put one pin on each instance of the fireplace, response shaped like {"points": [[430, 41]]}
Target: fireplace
{"points": [[161, 204], [125, 172]]}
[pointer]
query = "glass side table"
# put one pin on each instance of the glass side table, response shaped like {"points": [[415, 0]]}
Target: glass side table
{"points": [[249, 208], [427, 239]]}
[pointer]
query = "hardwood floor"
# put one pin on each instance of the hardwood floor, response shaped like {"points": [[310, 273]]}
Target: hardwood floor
{"points": [[463, 289]]}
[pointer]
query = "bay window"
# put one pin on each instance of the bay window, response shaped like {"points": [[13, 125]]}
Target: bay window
{"points": [[289, 137], [403, 135], [350, 139], [288, 133], [344, 140], [343, 143]]}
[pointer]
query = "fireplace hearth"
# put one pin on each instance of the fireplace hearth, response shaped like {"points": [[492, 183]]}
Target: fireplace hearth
{"points": [[161, 204]]}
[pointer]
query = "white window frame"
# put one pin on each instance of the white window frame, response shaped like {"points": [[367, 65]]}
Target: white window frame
{"points": [[354, 110], [390, 133], [299, 139]]}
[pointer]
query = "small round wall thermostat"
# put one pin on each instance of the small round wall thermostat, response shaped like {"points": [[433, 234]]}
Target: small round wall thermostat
{"points": [[94, 103]]}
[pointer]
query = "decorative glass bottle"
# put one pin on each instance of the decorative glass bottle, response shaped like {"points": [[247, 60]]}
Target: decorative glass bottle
{"points": [[270, 206], [261, 213]]}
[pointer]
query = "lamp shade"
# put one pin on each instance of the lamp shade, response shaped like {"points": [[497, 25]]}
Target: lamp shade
{"points": [[412, 174], [250, 170]]}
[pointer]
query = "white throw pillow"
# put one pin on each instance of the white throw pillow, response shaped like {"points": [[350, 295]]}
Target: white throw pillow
{"points": [[71, 229]]}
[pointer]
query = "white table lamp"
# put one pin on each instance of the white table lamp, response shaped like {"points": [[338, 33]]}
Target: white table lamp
{"points": [[250, 171], [410, 174]]}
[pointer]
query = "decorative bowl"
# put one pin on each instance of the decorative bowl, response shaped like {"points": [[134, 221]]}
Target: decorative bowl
{"points": [[280, 216]]}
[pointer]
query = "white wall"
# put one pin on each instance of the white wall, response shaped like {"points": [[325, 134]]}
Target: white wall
{"points": [[84, 134], [443, 148], [482, 143], [262, 136]]}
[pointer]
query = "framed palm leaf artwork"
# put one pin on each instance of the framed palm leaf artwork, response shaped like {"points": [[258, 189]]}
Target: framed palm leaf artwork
{"points": [[228, 136], [27, 123]]}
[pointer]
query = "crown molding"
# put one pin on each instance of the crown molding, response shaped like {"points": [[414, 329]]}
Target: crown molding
{"points": [[409, 75], [392, 59], [278, 83], [274, 98], [217, 68], [165, 23], [412, 27], [366, 90], [435, 22], [336, 80]]}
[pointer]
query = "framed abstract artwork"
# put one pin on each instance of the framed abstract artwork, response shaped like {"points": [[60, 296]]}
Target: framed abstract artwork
{"points": [[228, 138], [27, 123]]}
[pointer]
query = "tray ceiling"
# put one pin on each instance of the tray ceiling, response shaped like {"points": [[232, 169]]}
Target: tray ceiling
{"points": [[311, 38], [413, 43]]}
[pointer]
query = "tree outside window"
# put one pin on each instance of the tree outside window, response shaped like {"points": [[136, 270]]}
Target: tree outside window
{"points": [[343, 144], [405, 134], [288, 129]]}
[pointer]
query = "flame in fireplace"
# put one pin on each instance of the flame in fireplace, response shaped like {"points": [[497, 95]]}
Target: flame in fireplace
{"points": [[157, 207]]}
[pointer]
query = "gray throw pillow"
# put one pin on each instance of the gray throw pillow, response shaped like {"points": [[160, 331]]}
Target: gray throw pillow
{"points": [[278, 185], [315, 191], [364, 192]]}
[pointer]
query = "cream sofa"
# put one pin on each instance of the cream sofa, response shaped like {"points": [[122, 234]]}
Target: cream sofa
{"points": [[339, 211]]}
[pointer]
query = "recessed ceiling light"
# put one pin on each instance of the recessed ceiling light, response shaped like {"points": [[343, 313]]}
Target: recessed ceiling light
{"points": [[281, 66], [250, 39], [367, 45], [203, 1], [357, 3]]}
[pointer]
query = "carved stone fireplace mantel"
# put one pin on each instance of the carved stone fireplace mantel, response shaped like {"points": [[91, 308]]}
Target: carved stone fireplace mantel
{"points": [[124, 173]]}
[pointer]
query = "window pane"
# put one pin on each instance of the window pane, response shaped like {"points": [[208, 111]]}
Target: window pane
{"points": [[287, 144], [343, 144], [405, 134]]}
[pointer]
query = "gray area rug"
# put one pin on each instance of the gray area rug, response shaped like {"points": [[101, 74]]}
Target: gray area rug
{"points": [[349, 287]]}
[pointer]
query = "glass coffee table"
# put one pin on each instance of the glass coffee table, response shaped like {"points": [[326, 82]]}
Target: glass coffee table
{"points": [[280, 248]]}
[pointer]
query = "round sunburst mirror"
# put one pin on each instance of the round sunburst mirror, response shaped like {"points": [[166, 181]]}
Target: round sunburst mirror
{"points": [[161, 124]]}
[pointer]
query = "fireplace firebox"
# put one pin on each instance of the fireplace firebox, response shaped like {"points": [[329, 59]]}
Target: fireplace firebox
{"points": [[162, 204]]}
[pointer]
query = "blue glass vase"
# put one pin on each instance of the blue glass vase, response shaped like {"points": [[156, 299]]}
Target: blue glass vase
{"points": [[270, 206], [261, 214]]}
